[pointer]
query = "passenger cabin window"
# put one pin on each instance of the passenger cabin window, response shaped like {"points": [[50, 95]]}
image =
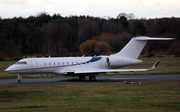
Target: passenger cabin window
{"points": [[49, 63], [44, 63], [54, 63], [58, 63]]}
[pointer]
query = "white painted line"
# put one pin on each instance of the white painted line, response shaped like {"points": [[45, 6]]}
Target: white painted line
{"points": [[125, 78]]}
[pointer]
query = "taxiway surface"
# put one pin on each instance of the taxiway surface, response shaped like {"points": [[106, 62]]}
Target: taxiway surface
{"points": [[75, 80]]}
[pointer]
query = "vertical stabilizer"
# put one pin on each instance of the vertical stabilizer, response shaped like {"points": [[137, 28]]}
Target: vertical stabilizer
{"points": [[135, 46]]}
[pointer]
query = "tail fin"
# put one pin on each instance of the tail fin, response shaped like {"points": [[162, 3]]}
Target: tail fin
{"points": [[135, 46]]}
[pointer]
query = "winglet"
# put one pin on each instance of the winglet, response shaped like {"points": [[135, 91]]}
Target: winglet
{"points": [[154, 66]]}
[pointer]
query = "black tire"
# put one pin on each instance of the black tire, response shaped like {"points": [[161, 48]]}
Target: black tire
{"points": [[92, 78], [19, 81], [82, 78]]}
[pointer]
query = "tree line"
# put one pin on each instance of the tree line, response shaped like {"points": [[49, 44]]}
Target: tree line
{"points": [[44, 35]]}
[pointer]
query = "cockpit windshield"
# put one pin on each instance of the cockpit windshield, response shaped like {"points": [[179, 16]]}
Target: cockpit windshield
{"points": [[21, 62]]}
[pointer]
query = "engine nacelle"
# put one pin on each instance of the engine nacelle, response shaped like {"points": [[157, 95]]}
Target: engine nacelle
{"points": [[117, 61]]}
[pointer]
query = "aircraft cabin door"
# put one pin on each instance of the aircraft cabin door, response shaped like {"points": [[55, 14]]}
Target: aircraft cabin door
{"points": [[34, 65]]}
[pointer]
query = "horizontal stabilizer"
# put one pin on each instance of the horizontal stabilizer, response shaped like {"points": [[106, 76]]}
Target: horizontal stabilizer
{"points": [[152, 38]]}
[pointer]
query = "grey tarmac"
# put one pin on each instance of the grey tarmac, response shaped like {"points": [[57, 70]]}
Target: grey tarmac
{"points": [[99, 79]]}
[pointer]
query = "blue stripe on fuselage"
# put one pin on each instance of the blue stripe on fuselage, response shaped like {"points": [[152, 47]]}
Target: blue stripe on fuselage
{"points": [[94, 59]]}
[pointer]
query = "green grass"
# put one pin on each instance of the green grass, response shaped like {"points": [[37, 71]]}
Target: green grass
{"points": [[166, 66], [99, 97]]}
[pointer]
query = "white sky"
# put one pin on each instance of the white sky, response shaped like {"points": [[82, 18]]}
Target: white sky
{"points": [[97, 8]]}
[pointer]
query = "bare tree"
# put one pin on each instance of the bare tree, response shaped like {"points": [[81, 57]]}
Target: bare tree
{"points": [[131, 16], [122, 14]]}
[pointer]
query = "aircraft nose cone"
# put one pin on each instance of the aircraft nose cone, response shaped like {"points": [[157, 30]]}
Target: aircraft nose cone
{"points": [[7, 70], [10, 70]]}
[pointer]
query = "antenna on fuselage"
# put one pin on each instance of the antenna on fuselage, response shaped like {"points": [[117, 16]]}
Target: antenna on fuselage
{"points": [[49, 56]]}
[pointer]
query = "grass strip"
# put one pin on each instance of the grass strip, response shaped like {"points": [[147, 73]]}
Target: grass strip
{"points": [[148, 96]]}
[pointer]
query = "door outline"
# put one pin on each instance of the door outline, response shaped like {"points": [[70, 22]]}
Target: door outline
{"points": [[34, 65]]}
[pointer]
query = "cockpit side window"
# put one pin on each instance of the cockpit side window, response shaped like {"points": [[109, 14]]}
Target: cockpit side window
{"points": [[18, 63], [21, 62]]}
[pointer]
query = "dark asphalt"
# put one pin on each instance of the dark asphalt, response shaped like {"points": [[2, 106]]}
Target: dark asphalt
{"points": [[75, 80]]}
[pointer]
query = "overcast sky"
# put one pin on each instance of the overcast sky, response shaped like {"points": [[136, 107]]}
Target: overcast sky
{"points": [[97, 8]]}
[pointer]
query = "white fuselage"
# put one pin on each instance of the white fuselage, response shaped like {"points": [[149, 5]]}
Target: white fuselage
{"points": [[67, 65]]}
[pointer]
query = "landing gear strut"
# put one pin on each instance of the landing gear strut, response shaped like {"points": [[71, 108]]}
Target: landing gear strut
{"points": [[19, 78]]}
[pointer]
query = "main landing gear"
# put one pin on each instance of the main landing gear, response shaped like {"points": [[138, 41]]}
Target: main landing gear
{"points": [[91, 78], [82, 78], [19, 78]]}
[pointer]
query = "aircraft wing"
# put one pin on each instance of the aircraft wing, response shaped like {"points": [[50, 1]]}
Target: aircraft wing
{"points": [[117, 70], [107, 70]]}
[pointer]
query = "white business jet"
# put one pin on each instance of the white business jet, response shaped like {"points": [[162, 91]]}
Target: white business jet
{"points": [[86, 66]]}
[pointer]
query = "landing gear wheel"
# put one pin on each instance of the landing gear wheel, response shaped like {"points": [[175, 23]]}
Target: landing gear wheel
{"points": [[82, 78], [19, 81], [92, 78], [19, 78]]}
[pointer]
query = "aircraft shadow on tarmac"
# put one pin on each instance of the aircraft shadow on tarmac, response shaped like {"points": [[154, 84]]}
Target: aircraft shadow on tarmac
{"points": [[102, 80]]}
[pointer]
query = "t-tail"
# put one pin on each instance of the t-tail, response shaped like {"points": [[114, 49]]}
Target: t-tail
{"points": [[136, 45]]}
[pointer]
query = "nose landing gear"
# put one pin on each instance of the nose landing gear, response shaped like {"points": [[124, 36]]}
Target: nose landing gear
{"points": [[19, 78], [19, 81]]}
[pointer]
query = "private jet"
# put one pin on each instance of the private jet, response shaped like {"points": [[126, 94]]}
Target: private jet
{"points": [[86, 66]]}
